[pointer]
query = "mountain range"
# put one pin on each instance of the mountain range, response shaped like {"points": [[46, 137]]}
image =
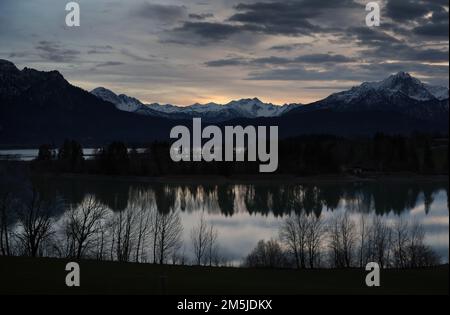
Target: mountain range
{"points": [[42, 107], [211, 112], [399, 93]]}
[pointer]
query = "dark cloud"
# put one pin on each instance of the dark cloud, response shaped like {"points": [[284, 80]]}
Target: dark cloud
{"points": [[407, 10], [53, 51], [277, 61], [360, 73], [272, 60], [227, 62], [134, 56], [426, 55], [291, 18], [392, 67], [385, 46], [402, 51], [418, 12], [434, 30], [163, 13], [109, 64], [300, 73], [289, 47], [288, 17], [276, 18], [201, 32], [201, 16], [430, 18], [369, 36], [440, 15], [97, 49], [324, 58], [20, 54]]}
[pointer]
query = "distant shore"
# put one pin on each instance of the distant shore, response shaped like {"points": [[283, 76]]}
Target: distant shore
{"points": [[251, 179]]}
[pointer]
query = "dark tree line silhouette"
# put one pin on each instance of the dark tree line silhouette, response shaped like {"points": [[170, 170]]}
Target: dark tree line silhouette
{"points": [[343, 242], [302, 156], [381, 197]]}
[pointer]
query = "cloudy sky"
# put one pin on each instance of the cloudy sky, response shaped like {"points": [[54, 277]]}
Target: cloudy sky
{"points": [[183, 52]]}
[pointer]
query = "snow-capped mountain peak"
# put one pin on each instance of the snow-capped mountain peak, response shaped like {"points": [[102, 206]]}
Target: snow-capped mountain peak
{"points": [[254, 107], [122, 102], [401, 83], [404, 83]]}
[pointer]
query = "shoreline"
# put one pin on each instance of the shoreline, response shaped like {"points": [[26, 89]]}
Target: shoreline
{"points": [[251, 179]]}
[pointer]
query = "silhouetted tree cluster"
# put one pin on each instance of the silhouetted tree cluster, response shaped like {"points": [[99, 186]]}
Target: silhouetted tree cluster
{"points": [[13, 180], [46, 153], [267, 255], [114, 159], [204, 242], [306, 155], [343, 242], [70, 157], [303, 237], [382, 197], [36, 222]]}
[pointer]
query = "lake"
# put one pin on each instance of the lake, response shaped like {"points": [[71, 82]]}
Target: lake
{"points": [[244, 214], [31, 154]]}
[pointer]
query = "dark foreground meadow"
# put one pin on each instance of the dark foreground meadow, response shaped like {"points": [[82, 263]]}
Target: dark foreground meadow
{"points": [[47, 276]]}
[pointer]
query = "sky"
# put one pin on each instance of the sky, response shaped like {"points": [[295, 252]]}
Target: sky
{"points": [[200, 51]]}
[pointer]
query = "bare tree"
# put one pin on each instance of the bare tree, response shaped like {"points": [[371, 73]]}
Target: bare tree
{"points": [[123, 234], [178, 255], [363, 231], [267, 255], [35, 223], [212, 245], [83, 223], [293, 234], [199, 238], [6, 200], [14, 183], [400, 241], [416, 245], [169, 234], [155, 228], [144, 225], [381, 240], [342, 240], [314, 239], [101, 237]]}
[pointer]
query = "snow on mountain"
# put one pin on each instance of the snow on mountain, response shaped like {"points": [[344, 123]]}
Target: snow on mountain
{"points": [[122, 102], [252, 108], [439, 92], [196, 108], [400, 93], [245, 108], [399, 84]]}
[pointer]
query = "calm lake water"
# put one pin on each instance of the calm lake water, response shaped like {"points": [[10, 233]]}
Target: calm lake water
{"points": [[246, 214]]}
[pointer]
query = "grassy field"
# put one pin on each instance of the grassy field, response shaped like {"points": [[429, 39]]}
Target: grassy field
{"points": [[47, 276]]}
